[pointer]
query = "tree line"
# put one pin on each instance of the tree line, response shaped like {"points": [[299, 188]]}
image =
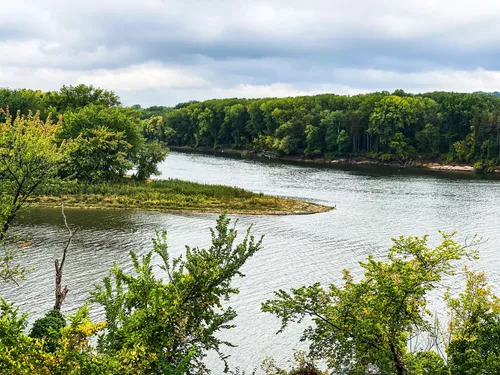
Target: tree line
{"points": [[446, 126]]}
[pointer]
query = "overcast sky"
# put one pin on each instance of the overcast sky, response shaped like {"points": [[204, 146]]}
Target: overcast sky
{"points": [[161, 52]]}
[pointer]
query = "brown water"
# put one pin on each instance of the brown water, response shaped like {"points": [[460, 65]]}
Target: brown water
{"points": [[373, 205]]}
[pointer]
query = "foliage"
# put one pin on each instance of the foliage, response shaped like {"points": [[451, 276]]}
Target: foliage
{"points": [[11, 324], [474, 347], [179, 317], [22, 100], [149, 156], [49, 329], [101, 155], [109, 142], [73, 353], [89, 113], [84, 120], [450, 126], [153, 128], [76, 97], [398, 126], [29, 157], [152, 326], [367, 324], [10, 270], [153, 111], [484, 166], [392, 118]]}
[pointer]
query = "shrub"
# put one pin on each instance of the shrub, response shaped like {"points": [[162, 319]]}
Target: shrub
{"points": [[49, 328]]}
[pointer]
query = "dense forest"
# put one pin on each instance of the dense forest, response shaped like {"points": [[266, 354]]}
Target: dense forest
{"points": [[440, 126], [444, 126]]}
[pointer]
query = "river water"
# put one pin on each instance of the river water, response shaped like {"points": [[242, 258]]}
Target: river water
{"points": [[373, 205]]}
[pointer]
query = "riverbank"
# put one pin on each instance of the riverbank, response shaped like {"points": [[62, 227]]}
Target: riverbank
{"points": [[431, 165], [170, 196]]}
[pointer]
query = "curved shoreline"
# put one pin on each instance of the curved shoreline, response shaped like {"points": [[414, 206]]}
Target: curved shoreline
{"points": [[283, 206], [427, 165]]}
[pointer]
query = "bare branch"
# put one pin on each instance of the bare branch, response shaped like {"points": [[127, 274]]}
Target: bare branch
{"points": [[60, 292]]}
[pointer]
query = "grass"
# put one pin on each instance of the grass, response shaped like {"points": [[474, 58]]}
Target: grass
{"points": [[170, 196]]}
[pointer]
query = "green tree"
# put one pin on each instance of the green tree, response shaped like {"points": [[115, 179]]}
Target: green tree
{"points": [[391, 120], [153, 128], [465, 149], [256, 125], [84, 120], [181, 316], [121, 148], [101, 155], [379, 124], [77, 97], [49, 328], [207, 134], [147, 162], [314, 140], [474, 347], [23, 100], [152, 326], [29, 158], [235, 124], [333, 123], [428, 140], [367, 324]]}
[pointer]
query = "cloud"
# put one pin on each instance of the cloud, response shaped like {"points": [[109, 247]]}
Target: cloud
{"points": [[451, 80], [279, 90], [141, 77], [191, 49]]}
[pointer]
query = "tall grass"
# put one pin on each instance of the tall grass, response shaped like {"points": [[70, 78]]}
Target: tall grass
{"points": [[134, 188], [168, 195]]}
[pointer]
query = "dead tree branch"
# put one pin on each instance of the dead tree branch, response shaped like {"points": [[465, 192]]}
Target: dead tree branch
{"points": [[61, 292]]}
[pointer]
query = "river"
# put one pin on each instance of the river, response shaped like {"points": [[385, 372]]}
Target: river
{"points": [[373, 205]]}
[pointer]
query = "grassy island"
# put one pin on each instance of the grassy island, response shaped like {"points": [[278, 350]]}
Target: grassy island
{"points": [[170, 196]]}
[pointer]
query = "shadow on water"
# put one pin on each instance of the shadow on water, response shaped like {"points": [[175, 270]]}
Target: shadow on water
{"points": [[362, 170], [87, 219]]}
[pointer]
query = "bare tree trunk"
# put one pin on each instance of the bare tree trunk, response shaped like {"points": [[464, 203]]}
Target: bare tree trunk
{"points": [[400, 368], [61, 292]]}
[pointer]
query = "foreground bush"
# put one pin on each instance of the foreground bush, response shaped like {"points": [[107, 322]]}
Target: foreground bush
{"points": [[366, 326], [152, 326]]}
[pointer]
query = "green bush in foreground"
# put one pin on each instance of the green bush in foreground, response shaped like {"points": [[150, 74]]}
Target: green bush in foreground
{"points": [[366, 326], [152, 326], [155, 326], [49, 328]]}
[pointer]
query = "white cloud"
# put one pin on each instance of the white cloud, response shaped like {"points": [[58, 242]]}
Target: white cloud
{"points": [[445, 80], [46, 79], [279, 90], [142, 77]]}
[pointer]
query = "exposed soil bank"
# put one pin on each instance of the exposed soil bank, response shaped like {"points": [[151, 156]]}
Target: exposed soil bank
{"points": [[351, 161]]}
